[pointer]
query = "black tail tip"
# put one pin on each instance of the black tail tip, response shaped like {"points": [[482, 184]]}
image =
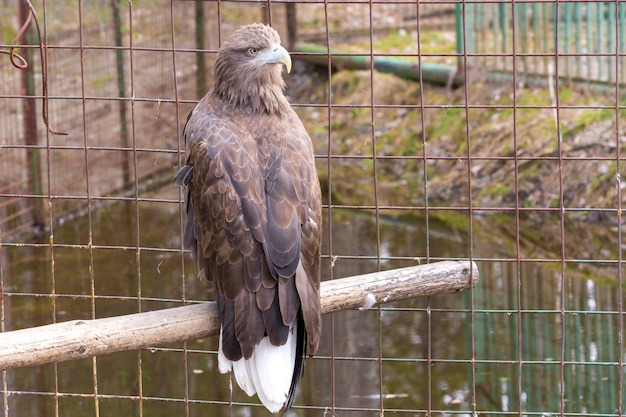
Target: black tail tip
{"points": [[298, 367]]}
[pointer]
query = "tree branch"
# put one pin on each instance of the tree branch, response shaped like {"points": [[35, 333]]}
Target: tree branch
{"points": [[84, 338]]}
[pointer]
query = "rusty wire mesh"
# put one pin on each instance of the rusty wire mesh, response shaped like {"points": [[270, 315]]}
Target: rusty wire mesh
{"points": [[505, 164]]}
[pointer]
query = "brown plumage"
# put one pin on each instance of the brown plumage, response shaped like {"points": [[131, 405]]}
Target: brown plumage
{"points": [[254, 213]]}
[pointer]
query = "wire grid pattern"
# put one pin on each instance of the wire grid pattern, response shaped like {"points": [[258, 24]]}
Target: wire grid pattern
{"points": [[534, 338]]}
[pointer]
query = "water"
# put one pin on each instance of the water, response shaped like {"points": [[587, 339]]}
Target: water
{"points": [[524, 342]]}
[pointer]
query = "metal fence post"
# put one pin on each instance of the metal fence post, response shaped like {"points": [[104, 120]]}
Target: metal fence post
{"points": [[29, 121], [460, 29], [121, 86], [200, 46]]}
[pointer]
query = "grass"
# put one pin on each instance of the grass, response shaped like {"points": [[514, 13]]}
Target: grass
{"points": [[597, 181], [103, 82], [496, 190], [451, 123], [400, 41]]}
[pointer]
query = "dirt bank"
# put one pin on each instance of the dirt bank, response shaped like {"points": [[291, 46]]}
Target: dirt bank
{"points": [[516, 159]]}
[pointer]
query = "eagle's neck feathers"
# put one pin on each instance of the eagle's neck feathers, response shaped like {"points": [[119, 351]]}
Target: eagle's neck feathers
{"points": [[250, 87]]}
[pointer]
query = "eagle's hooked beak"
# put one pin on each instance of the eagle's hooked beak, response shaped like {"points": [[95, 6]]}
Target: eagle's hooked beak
{"points": [[277, 55]]}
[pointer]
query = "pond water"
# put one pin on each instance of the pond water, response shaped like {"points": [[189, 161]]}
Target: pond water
{"points": [[515, 342]]}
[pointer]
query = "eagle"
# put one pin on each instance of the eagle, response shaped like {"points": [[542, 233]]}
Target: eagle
{"points": [[253, 216]]}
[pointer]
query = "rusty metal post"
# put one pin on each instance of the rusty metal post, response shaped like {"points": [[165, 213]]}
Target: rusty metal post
{"points": [[29, 120]]}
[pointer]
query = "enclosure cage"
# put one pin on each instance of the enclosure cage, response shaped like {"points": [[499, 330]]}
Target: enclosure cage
{"points": [[480, 131]]}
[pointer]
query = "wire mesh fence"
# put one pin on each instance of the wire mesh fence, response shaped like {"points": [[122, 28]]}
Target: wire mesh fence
{"points": [[517, 168]]}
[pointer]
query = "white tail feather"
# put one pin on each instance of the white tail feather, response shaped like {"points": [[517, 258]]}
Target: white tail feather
{"points": [[268, 372], [225, 365]]}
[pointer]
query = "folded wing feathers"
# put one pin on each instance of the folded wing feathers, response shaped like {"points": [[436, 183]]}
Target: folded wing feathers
{"points": [[311, 310], [288, 300], [228, 341], [276, 330], [258, 238], [249, 326]]}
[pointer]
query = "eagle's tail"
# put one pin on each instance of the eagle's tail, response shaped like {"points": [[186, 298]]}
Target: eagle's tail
{"points": [[272, 372], [298, 367]]}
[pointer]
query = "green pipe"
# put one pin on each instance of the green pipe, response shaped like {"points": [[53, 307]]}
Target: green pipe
{"points": [[338, 60], [432, 73]]}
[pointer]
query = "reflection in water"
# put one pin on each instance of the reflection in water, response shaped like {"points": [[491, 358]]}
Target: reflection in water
{"points": [[530, 337], [578, 329]]}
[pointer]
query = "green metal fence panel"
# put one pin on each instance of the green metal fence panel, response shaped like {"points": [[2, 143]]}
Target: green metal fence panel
{"points": [[585, 41]]}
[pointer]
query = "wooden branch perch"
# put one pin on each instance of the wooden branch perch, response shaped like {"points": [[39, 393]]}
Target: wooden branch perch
{"points": [[84, 338]]}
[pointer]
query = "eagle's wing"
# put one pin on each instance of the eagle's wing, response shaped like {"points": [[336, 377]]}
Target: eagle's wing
{"points": [[300, 167], [253, 220]]}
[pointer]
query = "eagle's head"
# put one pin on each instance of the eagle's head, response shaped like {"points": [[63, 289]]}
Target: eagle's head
{"points": [[248, 69]]}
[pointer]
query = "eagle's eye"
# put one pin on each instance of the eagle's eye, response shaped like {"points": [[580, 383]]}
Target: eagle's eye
{"points": [[253, 51]]}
